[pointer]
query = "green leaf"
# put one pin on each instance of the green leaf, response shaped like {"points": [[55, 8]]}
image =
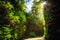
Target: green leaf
{"points": [[7, 29], [16, 35], [8, 36], [0, 32]]}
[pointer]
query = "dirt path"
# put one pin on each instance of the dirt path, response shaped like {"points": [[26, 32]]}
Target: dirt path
{"points": [[37, 38]]}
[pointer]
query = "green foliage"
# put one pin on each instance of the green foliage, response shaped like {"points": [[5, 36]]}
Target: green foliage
{"points": [[8, 36], [15, 21], [36, 20], [15, 25]]}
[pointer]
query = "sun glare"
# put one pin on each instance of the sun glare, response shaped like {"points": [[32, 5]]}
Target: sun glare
{"points": [[43, 4]]}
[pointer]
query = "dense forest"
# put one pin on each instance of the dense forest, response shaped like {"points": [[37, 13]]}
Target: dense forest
{"points": [[20, 19]]}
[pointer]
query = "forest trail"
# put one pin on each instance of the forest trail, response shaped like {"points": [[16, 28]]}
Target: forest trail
{"points": [[37, 38]]}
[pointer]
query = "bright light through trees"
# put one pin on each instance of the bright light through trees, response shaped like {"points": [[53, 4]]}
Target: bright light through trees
{"points": [[43, 4]]}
